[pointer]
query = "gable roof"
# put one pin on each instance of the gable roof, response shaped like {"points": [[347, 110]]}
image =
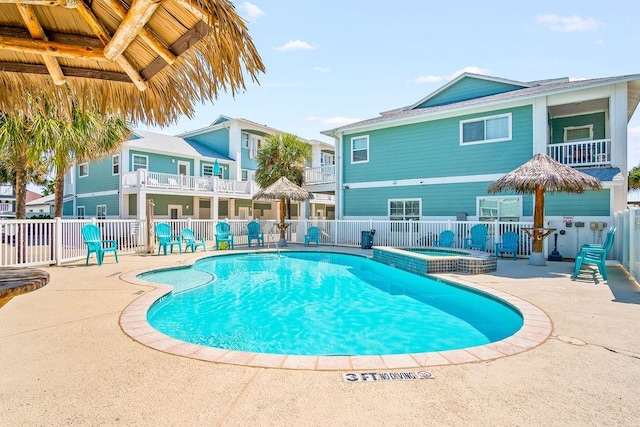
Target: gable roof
{"points": [[172, 145], [529, 90]]}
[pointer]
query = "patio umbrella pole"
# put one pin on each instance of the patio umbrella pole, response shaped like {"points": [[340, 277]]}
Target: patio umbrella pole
{"points": [[283, 241], [537, 257]]}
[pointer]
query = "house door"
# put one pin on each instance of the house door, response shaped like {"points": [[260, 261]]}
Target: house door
{"points": [[243, 212], [184, 170], [175, 211]]}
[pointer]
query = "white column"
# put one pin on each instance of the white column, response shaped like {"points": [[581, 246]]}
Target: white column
{"points": [[618, 117], [214, 207], [540, 126], [141, 208]]}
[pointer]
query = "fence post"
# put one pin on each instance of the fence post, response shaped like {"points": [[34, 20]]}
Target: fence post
{"points": [[57, 238]]}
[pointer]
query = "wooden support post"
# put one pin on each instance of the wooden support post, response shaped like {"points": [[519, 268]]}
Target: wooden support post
{"points": [[151, 237]]}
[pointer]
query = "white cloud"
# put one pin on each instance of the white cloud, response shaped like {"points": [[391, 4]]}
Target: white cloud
{"points": [[251, 12], [295, 45], [599, 42], [435, 79], [567, 24], [339, 121], [322, 69], [313, 119]]}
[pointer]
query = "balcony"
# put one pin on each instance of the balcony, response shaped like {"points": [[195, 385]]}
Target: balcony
{"points": [[321, 175], [182, 183], [582, 154], [6, 191]]}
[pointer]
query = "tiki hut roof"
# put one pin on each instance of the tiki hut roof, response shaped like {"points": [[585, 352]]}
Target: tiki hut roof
{"points": [[552, 175], [283, 189], [148, 60]]}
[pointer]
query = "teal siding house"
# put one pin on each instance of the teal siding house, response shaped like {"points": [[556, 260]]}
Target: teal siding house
{"points": [[203, 174], [435, 159]]}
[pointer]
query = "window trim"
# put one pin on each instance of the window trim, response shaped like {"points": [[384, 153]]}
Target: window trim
{"points": [[590, 127], [115, 162], [365, 137], [98, 214], [251, 175], [84, 212], [133, 161], [498, 217], [80, 175], [404, 200], [484, 119]]}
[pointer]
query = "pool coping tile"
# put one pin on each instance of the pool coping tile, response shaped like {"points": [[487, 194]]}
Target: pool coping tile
{"points": [[536, 329]]}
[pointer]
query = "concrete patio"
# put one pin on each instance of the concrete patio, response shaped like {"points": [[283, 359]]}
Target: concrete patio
{"points": [[65, 360]]}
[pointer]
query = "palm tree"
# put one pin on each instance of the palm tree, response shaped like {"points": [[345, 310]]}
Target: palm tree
{"points": [[48, 187], [87, 136], [282, 155], [634, 179]]}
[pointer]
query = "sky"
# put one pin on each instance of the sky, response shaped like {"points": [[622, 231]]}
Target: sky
{"points": [[330, 63]]}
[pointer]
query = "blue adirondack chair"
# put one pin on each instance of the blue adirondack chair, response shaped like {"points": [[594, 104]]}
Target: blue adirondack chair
{"points": [[223, 235], [509, 244], [95, 245], [254, 233], [313, 235], [165, 239], [190, 240], [478, 239], [592, 254], [445, 239], [610, 233]]}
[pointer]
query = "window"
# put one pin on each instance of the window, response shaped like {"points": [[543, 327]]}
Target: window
{"points": [[248, 175], [326, 159], [207, 170], [404, 210], [505, 208], [83, 169], [139, 162], [486, 129], [578, 133], [80, 212], [360, 149], [252, 143], [101, 211], [115, 164]]}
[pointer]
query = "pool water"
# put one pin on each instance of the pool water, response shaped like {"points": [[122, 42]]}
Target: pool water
{"points": [[314, 303]]}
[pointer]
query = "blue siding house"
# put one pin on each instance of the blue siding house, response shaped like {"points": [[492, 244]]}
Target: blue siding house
{"points": [[205, 174], [435, 159]]}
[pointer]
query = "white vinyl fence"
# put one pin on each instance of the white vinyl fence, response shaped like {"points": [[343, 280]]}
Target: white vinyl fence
{"points": [[56, 241], [627, 240]]}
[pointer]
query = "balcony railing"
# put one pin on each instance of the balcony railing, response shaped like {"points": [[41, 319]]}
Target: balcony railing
{"points": [[583, 153], [155, 180], [321, 175], [6, 190]]}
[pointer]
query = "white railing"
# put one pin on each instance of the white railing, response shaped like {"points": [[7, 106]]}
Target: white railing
{"points": [[156, 180], [320, 197], [321, 175], [56, 241], [583, 153], [5, 207]]}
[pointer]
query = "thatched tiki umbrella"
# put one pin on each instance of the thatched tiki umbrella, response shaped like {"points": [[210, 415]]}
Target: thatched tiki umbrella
{"points": [[143, 60], [538, 175], [281, 190]]}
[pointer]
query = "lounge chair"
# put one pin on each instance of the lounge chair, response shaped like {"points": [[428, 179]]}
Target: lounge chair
{"points": [[592, 254], [445, 239], [224, 237], [165, 239], [191, 242], [313, 235], [478, 239], [95, 245], [254, 233], [509, 244]]}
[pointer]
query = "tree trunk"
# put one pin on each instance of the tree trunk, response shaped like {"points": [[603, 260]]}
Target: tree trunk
{"points": [[21, 205], [59, 194]]}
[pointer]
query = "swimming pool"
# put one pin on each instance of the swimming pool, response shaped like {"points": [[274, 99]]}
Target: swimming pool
{"points": [[315, 303]]}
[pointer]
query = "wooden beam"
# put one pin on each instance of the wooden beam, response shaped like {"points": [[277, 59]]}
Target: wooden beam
{"points": [[146, 35], [48, 48], [101, 32], [187, 40], [135, 20], [196, 9], [35, 29], [54, 36], [23, 68]]}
